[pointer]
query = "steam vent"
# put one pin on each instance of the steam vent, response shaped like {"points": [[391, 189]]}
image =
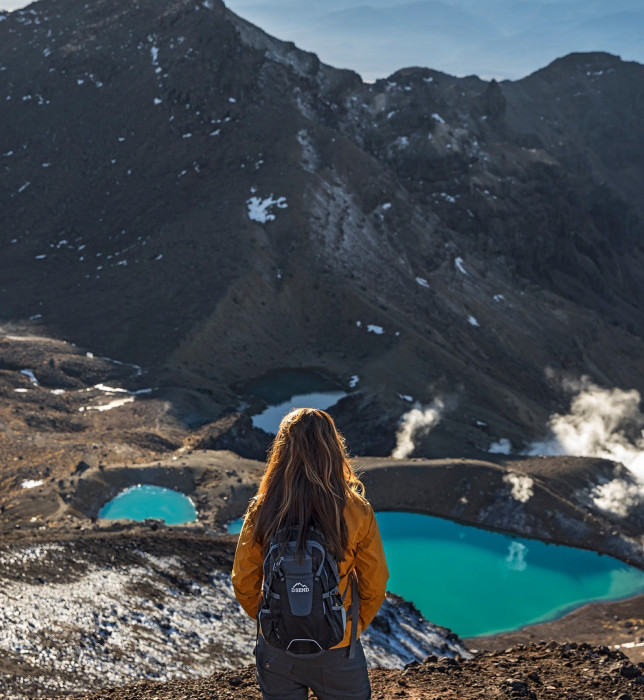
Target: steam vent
{"points": [[204, 226]]}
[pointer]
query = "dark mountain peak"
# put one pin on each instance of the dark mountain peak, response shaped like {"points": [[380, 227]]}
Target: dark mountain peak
{"points": [[181, 190], [581, 67], [491, 103]]}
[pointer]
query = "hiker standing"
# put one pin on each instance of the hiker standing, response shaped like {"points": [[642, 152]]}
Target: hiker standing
{"points": [[309, 565]]}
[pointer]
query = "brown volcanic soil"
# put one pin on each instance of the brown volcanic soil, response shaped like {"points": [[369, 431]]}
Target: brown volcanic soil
{"points": [[619, 624], [85, 457], [545, 671]]}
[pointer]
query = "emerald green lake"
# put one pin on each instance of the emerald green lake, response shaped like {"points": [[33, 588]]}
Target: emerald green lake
{"points": [[477, 582], [145, 501]]}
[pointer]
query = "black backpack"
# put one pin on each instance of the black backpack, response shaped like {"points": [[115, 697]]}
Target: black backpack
{"points": [[301, 609]]}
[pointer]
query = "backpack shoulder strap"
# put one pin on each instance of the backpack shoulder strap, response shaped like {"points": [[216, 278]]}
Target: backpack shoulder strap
{"points": [[355, 613]]}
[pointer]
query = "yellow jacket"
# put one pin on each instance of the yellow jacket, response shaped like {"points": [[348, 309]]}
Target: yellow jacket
{"points": [[364, 553]]}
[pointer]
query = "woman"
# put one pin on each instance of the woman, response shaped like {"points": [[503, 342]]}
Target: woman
{"points": [[309, 483]]}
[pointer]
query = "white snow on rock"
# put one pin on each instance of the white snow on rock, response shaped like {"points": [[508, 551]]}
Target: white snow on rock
{"points": [[157, 101], [499, 297], [472, 321], [108, 406], [437, 117], [373, 328], [422, 281], [399, 635], [459, 264], [260, 209], [31, 483], [406, 397], [22, 188], [102, 632], [111, 389], [32, 377], [353, 382], [108, 624]]}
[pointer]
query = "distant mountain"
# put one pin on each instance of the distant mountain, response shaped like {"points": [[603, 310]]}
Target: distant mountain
{"points": [[490, 38], [180, 190]]}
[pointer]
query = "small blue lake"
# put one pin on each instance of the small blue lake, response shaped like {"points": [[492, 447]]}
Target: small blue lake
{"points": [[478, 582], [288, 389], [146, 501]]}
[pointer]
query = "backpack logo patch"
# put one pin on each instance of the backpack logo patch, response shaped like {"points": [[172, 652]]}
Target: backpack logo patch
{"points": [[299, 588]]}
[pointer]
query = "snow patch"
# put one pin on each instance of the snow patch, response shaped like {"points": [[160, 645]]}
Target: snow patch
{"points": [[373, 328], [260, 209], [32, 377], [353, 381], [422, 281], [31, 483], [459, 264], [108, 406]]}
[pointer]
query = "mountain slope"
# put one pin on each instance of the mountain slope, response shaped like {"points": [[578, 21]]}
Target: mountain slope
{"points": [[182, 191]]}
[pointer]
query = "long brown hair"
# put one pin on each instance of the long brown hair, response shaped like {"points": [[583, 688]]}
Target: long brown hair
{"points": [[307, 482]]}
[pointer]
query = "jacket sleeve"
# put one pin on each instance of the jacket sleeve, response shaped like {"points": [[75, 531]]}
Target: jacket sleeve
{"points": [[247, 570], [371, 567]]}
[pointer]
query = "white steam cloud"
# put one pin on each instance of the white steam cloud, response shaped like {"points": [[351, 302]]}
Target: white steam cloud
{"points": [[414, 424], [606, 423], [521, 486]]}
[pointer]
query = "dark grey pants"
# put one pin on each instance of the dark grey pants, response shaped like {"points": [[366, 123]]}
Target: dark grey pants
{"points": [[331, 676]]}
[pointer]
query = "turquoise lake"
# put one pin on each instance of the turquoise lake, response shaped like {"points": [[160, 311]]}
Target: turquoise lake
{"points": [[289, 389], [145, 501], [478, 582]]}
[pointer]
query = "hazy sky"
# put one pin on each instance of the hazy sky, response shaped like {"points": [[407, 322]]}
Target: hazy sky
{"points": [[491, 38]]}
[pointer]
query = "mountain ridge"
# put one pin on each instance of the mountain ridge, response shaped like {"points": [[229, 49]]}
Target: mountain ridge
{"points": [[187, 193]]}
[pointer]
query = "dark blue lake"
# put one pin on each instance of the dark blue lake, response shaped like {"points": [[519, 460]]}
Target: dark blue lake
{"points": [[282, 391]]}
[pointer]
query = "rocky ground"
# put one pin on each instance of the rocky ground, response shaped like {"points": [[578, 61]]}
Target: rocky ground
{"points": [[105, 608], [423, 237], [85, 604], [544, 671]]}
